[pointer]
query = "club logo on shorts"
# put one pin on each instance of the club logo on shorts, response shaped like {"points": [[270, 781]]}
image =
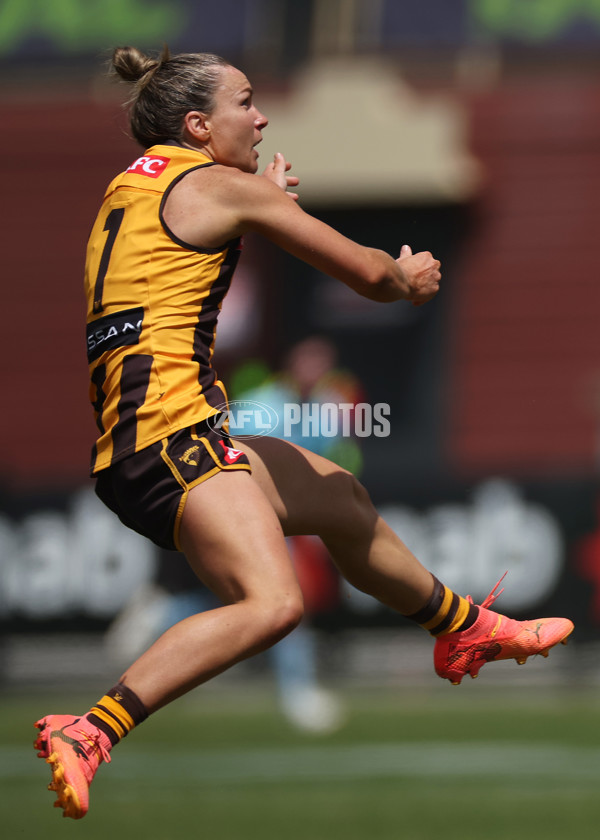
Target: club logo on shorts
{"points": [[190, 456], [231, 454], [150, 165]]}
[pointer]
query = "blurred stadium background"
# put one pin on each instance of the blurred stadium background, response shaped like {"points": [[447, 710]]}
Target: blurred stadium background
{"points": [[470, 128]]}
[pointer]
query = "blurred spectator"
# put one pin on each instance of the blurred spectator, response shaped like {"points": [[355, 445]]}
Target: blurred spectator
{"points": [[309, 375]]}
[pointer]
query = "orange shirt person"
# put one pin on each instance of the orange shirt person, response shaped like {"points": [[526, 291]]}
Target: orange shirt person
{"points": [[160, 259]]}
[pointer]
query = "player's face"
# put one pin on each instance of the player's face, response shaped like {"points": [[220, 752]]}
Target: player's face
{"points": [[235, 123]]}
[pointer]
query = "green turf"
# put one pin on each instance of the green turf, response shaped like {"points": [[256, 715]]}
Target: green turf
{"points": [[416, 765]]}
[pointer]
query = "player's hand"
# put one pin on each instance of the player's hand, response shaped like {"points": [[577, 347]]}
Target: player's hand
{"points": [[422, 274], [276, 172]]}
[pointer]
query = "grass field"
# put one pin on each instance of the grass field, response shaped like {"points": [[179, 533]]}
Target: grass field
{"points": [[465, 763]]}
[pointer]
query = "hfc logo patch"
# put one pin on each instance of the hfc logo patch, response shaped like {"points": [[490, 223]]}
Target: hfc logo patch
{"points": [[150, 165]]}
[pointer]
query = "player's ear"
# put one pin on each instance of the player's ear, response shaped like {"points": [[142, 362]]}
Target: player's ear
{"points": [[196, 126]]}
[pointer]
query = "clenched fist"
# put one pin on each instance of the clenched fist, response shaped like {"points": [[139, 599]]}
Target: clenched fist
{"points": [[422, 274]]}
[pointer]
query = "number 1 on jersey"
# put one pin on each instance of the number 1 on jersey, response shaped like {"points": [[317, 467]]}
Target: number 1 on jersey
{"points": [[112, 225]]}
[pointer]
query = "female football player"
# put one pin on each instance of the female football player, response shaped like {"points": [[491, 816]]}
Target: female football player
{"points": [[160, 259]]}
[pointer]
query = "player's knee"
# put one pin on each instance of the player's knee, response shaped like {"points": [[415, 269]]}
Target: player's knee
{"points": [[288, 613], [283, 614], [347, 488], [360, 497], [354, 506]]}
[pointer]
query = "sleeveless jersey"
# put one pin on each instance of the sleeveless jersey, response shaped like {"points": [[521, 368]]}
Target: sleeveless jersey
{"points": [[153, 303]]}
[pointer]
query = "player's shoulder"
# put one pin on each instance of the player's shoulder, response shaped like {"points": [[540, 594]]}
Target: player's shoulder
{"points": [[239, 200], [227, 179], [216, 172]]}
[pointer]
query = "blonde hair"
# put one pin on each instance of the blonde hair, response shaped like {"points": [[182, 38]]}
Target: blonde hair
{"points": [[166, 89]]}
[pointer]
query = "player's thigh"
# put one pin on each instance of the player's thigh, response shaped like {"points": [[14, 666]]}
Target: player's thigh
{"points": [[309, 493], [234, 542]]}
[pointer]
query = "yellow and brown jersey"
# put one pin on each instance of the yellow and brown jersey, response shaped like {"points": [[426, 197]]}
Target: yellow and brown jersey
{"points": [[153, 303]]}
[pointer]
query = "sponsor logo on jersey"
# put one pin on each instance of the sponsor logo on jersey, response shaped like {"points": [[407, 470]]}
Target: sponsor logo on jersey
{"points": [[150, 165], [115, 330]]}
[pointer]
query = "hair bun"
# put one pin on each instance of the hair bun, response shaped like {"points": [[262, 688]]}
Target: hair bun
{"points": [[165, 88], [132, 65]]}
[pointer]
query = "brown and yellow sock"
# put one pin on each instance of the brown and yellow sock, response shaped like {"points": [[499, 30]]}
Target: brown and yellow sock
{"points": [[445, 612], [117, 712]]}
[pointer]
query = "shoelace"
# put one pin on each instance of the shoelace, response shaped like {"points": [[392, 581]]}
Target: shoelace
{"points": [[492, 596], [94, 742]]}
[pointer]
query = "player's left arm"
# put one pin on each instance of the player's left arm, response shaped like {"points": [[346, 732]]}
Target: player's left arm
{"points": [[370, 272]]}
